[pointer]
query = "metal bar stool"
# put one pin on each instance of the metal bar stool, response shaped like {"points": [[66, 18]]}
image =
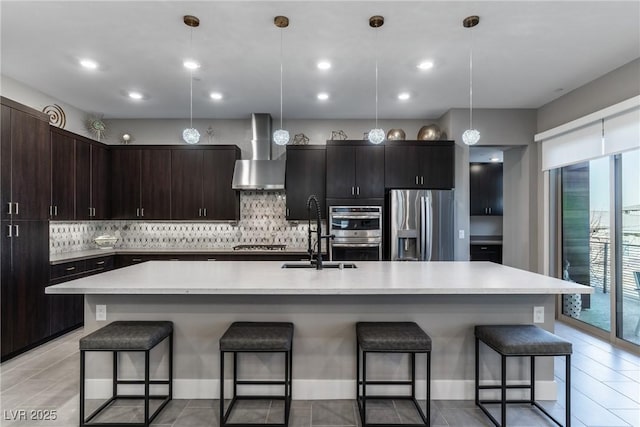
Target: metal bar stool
{"points": [[520, 341], [392, 337], [128, 336], [257, 337]]}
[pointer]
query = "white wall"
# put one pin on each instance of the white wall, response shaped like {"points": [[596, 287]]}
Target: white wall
{"points": [[16, 91]]}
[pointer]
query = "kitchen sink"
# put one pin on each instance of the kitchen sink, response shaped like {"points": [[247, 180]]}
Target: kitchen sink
{"points": [[328, 264]]}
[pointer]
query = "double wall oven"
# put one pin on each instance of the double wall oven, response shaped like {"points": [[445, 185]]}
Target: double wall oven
{"points": [[357, 231]]}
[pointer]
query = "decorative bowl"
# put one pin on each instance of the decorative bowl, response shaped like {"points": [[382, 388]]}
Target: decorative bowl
{"points": [[105, 241]]}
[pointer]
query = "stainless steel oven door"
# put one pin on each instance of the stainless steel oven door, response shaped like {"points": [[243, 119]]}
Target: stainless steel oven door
{"points": [[356, 250]]}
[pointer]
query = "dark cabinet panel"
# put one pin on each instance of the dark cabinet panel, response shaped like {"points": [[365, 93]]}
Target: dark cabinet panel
{"points": [[186, 184], [62, 177], [100, 182], [305, 175], [125, 184], [156, 184], [220, 201], [420, 165], [485, 185], [7, 291], [5, 162], [491, 253], [83, 181], [355, 171]]}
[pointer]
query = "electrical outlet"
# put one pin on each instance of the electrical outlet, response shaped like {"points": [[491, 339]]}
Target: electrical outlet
{"points": [[101, 312], [460, 234], [538, 314]]}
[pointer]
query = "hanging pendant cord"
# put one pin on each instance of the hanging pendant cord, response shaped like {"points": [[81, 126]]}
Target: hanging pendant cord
{"points": [[191, 82], [281, 78], [471, 82]]}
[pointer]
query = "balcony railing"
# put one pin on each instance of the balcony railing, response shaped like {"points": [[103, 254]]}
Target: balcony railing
{"points": [[600, 257]]}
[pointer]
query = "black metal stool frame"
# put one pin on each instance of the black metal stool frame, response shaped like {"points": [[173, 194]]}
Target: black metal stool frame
{"points": [[114, 395], [362, 399], [287, 383], [531, 386]]}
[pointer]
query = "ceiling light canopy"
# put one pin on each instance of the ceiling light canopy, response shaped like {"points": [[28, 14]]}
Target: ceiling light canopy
{"points": [[191, 135], [136, 95], [324, 65], [425, 65], [404, 96], [323, 96], [217, 96], [89, 64]]}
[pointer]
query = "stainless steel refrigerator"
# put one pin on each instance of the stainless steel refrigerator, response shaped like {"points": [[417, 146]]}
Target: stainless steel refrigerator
{"points": [[421, 225]]}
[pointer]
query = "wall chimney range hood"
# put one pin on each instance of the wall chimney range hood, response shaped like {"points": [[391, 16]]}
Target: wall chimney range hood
{"points": [[259, 173]]}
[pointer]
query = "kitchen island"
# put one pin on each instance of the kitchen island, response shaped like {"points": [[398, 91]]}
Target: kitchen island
{"points": [[202, 298]]}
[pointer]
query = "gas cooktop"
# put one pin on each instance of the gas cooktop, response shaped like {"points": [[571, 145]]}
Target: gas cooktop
{"points": [[259, 247]]}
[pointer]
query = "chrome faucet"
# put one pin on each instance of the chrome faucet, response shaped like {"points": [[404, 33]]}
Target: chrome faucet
{"points": [[318, 231]]}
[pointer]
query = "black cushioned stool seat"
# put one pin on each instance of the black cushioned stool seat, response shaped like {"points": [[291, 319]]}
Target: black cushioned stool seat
{"points": [[256, 337], [391, 337], [128, 336], [520, 341]]}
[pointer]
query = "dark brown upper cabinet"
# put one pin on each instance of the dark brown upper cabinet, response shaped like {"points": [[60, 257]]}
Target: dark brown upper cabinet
{"points": [[63, 182], [355, 170], [414, 164], [201, 183], [141, 183], [25, 168], [305, 175], [93, 180], [485, 188]]}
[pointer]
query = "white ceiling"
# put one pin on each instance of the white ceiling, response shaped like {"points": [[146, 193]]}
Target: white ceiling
{"points": [[524, 53]]}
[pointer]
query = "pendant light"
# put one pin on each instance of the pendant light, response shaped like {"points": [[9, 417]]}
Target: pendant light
{"points": [[471, 136], [191, 134], [376, 135], [281, 136]]}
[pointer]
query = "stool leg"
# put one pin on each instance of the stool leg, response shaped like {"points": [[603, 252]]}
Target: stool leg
{"points": [[364, 389], [114, 393], [358, 376], [81, 387], [222, 421], [235, 374], [567, 385], [503, 392], [171, 366], [413, 375], [428, 388], [146, 388], [533, 379], [477, 371], [287, 396]]}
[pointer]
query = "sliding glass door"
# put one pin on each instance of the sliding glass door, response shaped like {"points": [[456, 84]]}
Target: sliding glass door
{"points": [[600, 242]]}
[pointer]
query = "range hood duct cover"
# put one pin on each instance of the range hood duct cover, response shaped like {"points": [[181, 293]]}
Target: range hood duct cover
{"points": [[259, 173]]}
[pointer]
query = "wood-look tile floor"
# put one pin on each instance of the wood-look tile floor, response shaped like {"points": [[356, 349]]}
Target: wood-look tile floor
{"points": [[605, 392]]}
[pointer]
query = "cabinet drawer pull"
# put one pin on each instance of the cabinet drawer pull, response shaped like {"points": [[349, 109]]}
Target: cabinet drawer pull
{"points": [[174, 259], [70, 268], [136, 259], [484, 248], [100, 263], [211, 259], [10, 210]]}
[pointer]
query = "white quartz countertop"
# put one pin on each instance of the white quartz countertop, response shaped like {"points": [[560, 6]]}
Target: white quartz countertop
{"points": [[268, 278]]}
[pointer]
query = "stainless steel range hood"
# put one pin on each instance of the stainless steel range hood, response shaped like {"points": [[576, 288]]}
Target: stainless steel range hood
{"points": [[259, 173]]}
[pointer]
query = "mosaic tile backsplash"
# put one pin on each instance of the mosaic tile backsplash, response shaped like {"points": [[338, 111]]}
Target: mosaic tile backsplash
{"points": [[262, 221]]}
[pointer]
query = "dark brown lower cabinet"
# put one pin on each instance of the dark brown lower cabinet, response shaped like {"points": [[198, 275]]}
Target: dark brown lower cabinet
{"points": [[491, 253], [25, 275]]}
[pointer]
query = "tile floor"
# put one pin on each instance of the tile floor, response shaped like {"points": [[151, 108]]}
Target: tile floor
{"points": [[606, 392]]}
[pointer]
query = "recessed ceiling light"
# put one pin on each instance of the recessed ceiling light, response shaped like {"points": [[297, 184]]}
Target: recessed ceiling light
{"points": [[323, 96], [89, 64], [135, 95], [191, 64], [425, 65], [324, 65], [404, 96], [216, 96], [495, 159]]}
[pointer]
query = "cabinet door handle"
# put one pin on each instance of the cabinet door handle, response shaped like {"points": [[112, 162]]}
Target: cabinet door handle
{"points": [[100, 263], [489, 210], [422, 180], [17, 208], [70, 268], [205, 211], [10, 210], [137, 211], [287, 211], [10, 229], [358, 191], [50, 210], [17, 231], [416, 179], [142, 212], [55, 210], [352, 191], [199, 211]]}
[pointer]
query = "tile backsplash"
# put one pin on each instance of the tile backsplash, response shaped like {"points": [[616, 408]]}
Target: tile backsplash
{"points": [[262, 221]]}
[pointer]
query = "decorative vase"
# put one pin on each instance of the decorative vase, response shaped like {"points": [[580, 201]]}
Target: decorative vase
{"points": [[429, 133], [396, 135]]}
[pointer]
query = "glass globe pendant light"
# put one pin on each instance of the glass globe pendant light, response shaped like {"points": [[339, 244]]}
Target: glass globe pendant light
{"points": [[191, 135], [281, 136], [376, 135], [471, 136]]}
